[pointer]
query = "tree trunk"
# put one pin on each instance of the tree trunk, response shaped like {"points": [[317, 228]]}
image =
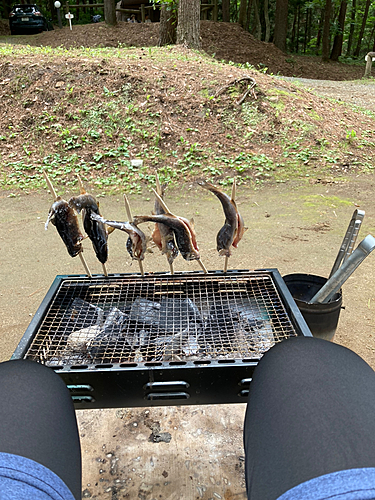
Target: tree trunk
{"points": [[188, 27], [110, 12], [362, 30], [167, 27], [326, 26], [226, 11], [339, 37], [320, 30], [352, 26], [257, 30], [242, 13], [298, 26], [267, 22], [281, 24], [293, 35], [248, 15]]}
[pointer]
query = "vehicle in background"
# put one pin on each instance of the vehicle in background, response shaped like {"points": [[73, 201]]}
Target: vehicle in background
{"points": [[28, 18]]}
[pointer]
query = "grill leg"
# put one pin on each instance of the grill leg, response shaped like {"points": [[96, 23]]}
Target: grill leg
{"points": [[37, 420], [311, 411]]}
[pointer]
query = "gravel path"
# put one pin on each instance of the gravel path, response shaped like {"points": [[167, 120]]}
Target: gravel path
{"points": [[359, 94]]}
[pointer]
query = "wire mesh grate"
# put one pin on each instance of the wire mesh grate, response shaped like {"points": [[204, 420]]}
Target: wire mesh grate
{"points": [[165, 318]]}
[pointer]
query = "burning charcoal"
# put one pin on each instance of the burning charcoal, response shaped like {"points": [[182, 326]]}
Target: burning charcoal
{"points": [[238, 326], [114, 321], [79, 340], [177, 314], [81, 314], [145, 311]]}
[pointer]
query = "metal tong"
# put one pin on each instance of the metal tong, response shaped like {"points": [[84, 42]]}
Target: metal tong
{"points": [[334, 283], [349, 240]]}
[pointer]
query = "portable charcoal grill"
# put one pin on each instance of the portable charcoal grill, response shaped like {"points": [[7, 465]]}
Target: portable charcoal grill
{"points": [[188, 338]]}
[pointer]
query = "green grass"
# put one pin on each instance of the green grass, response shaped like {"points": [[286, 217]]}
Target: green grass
{"points": [[96, 134]]}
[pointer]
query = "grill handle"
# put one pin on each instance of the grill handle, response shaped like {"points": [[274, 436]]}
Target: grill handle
{"points": [[154, 396], [173, 385]]}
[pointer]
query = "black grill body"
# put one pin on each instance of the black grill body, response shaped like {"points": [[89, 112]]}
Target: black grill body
{"points": [[128, 340]]}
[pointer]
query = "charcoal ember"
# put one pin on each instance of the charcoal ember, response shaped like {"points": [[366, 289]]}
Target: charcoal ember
{"points": [[115, 322], [79, 340], [221, 324], [180, 346], [240, 326], [177, 314], [81, 314], [145, 311]]}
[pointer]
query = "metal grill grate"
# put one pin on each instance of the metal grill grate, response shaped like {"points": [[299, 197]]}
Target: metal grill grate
{"points": [[161, 318]]}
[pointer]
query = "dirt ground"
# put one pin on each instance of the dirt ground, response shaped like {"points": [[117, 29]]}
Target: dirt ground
{"points": [[294, 228]]}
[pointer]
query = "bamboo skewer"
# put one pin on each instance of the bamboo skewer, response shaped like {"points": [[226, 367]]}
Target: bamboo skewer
{"points": [[85, 265], [130, 217], [54, 194], [233, 199], [159, 191], [49, 184]]}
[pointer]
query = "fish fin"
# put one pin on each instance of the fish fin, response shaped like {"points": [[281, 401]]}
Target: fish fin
{"points": [[82, 190], [245, 229], [192, 223], [110, 229]]}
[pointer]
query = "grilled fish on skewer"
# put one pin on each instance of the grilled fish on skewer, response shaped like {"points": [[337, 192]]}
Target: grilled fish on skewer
{"points": [[136, 244], [65, 220], [163, 235], [96, 231], [183, 231], [227, 233]]}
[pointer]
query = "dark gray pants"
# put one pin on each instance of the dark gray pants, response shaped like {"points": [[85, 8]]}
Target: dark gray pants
{"points": [[37, 420], [311, 411]]}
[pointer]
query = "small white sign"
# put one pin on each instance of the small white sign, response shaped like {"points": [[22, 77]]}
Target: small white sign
{"points": [[70, 17]]}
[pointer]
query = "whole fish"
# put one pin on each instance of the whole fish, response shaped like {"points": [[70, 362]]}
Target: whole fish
{"points": [[96, 230], [227, 233], [182, 229], [65, 220], [163, 235], [136, 244]]}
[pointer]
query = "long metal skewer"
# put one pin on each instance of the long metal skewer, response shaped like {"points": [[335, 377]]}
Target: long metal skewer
{"points": [[349, 240]]}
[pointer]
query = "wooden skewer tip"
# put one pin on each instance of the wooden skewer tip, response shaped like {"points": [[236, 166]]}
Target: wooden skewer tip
{"points": [[127, 208], [85, 265], [226, 263], [105, 270], [141, 267], [158, 186], [202, 266], [49, 184]]}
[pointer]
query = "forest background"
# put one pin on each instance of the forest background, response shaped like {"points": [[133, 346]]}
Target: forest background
{"points": [[333, 29]]}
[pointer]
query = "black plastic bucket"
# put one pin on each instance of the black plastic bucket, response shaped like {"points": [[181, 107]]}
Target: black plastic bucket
{"points": [[322, 319]]}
